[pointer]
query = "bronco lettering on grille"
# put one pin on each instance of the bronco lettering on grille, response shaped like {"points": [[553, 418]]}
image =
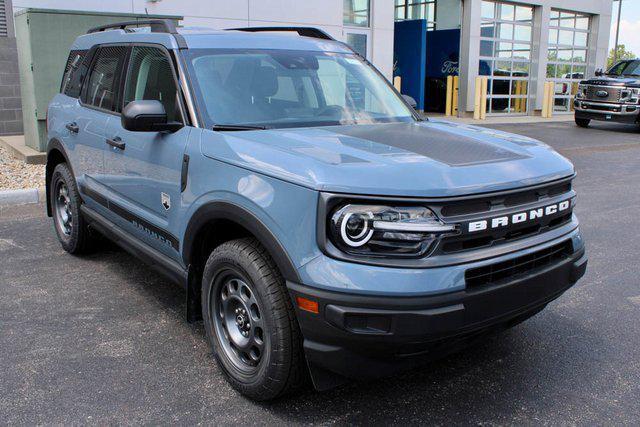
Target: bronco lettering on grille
{"points": [[518, 218]]}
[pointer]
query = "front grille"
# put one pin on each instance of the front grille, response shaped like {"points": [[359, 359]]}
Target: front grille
{"points": [[496, 205], [457, 244], [512, 269], [602, 108], [485, 204], [613, 93]]}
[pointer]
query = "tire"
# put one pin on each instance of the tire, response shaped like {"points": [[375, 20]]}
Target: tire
{"points": [[250, 321], [583, 123], [71, 227]]}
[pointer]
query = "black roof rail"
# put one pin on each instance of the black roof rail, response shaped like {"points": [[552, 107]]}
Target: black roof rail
{"points": [[315, 33], [156, 25]]}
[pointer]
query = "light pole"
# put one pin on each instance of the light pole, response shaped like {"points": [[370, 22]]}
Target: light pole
{"points": [[615, 48]]}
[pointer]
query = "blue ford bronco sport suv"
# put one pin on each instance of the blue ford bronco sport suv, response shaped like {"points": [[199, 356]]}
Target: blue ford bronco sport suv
{"points": [[320, 227]]}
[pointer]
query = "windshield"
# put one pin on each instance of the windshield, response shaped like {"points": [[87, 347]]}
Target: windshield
{"points": [[286, 88], [625, 68]]}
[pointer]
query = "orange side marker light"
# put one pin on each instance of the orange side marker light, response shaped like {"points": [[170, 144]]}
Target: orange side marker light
{"points": [[307, 305]]}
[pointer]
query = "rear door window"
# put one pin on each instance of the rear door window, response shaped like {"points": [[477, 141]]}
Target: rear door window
{"points": [[103, 84]]}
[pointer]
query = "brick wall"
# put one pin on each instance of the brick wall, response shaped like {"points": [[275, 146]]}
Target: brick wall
{"points": [[10, 103]]}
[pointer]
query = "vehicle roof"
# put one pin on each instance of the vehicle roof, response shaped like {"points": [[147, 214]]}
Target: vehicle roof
{"points": [[197, 38]]}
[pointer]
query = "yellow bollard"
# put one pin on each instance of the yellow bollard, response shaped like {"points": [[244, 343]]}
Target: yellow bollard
{"points": [[477, 99], [483, 99], [574, 91], [545, 102], [449, 99], [397, 83], [454, 104], [551, 99]]}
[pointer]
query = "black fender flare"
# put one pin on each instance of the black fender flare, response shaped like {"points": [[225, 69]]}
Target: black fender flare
{"points": [[222, 210], [54, 145]]}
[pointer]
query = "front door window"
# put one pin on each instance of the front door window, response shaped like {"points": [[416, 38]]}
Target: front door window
{"points": [[151, 78]]}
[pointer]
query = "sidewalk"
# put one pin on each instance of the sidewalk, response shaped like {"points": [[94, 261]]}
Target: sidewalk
{"points": [[20, 181], [499, 120], [15, 144]]}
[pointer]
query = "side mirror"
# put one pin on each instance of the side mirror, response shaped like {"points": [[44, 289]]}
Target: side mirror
{"points": [[409, 100], [599, 72], [147, 116]]}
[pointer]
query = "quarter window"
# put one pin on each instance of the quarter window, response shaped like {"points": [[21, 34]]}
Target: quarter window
{"points": [[74, 73], [103, 83], [150, 77]]}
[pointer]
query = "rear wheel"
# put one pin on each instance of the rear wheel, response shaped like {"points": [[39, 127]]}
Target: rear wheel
{"points": [[70, 226], [583, 123], [250, 320]]}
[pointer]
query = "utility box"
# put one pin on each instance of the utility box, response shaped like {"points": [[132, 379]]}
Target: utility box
{"points": [[44, 37]]}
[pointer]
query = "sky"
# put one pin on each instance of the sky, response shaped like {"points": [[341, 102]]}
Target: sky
{"points": [[629, 25]]}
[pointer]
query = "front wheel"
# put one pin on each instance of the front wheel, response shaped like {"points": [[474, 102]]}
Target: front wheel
{"points": [[583, 123], [250, 321]]}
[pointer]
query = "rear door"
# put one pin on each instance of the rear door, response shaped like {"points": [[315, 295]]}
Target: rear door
{"points": [[98, 103], [143, 176], [66, 113]]}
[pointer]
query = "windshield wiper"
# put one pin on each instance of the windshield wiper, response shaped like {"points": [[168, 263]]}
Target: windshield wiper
{"points": [[231, 128]]}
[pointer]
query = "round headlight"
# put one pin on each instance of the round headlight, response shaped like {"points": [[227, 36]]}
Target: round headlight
{"points": [[378, 230], [356, 228]]}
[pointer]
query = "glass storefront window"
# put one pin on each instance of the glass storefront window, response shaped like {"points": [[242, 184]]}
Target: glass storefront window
{"points": [[358, 42], [524, 13], [356, 13], [505, 55], [417, 9], [488, 10], [567, 58]]}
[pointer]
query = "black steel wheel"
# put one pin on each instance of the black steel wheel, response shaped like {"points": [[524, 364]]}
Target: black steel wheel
{"points": [[62, 205], [250, 321], [69, 224], [238, 321]]}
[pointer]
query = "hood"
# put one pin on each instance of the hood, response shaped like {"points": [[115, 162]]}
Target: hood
{"points": [[613, 81], [420, 159]]}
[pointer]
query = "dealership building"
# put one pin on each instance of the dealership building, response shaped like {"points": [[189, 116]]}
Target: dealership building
{"points": [[516, 45]]}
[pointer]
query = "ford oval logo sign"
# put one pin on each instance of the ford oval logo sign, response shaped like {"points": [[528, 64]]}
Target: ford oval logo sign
{"points": [[602, 93]]}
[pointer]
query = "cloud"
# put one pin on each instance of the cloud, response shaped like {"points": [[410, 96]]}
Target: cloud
{"points": [[629, 35]]}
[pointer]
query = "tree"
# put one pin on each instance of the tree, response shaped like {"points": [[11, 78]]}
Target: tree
{"points": [[623, 53]]}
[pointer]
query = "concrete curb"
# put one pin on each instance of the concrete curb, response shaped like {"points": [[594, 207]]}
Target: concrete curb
{"points": [[22, 197]]}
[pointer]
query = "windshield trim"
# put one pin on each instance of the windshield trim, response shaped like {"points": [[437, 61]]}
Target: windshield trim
{"points": [[206, 121]]}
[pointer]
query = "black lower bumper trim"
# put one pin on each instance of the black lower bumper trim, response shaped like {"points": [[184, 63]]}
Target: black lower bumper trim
{"points": [[359, 336], [605, 116]]}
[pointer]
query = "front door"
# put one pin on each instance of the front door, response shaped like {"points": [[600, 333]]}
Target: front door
{"points": [[143, 170]]}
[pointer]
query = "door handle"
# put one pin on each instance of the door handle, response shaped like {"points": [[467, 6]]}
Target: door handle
{"points": [[116, 142], [72, 127]]}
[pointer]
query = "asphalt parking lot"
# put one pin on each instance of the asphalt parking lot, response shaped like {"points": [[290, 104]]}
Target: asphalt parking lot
{"points": [[101, 339]]}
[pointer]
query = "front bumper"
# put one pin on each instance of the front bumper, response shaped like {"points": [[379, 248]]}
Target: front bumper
{"points": [[620, 113], [365, 336]]}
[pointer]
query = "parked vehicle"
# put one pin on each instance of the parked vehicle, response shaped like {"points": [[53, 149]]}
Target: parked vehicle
{"points": [[320, 227], [612, 96]]}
